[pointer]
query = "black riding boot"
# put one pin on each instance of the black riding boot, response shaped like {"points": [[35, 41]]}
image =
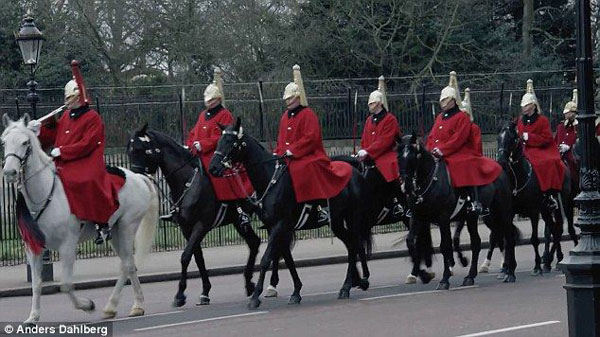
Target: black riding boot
{"points": [[102, 233], [476, 205]]}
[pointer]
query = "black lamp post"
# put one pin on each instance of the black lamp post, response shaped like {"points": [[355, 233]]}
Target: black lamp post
{"points": [[30, 41], [582, 266]]}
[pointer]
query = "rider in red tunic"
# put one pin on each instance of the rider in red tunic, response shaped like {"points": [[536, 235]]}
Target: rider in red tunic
{"points": [[202, 141], [540, 148], [314, 176], [566, 136], [450, 139], [378, 146], [77, 139]]}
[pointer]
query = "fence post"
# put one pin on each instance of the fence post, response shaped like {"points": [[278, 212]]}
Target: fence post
{"points": [[17, 104], [502, 100], [422, 131], [260, 110], [98, 106], [181, 115]]}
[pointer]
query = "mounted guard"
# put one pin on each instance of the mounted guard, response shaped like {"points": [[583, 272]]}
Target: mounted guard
{"points": [[566, 137], [77, 142], [450, 139], [540, 148], [378, 150], [202, 142], [315, 177]]}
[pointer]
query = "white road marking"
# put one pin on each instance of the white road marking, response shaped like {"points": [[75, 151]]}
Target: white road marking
{"points": [[417, 293], [336, 291], [201, 321], [513, 328], [151, 315]]}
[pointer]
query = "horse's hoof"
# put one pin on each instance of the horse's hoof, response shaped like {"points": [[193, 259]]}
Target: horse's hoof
{"points": [[344, 294], [411, 279], [426, 277], [179, 301], [295, 299], [363, 284], [271, 291], [108, 314], [485, 266], [91, 307], [135, 312], [537, 272], [203, 300], [547, 268], [254, 303], [509, 278], [29, 324], [502, 274], [464, 261], [468, 281], [443, 285], [250, 288]]}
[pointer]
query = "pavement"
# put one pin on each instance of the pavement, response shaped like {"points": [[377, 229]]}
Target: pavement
{"points": [[227, 260], [533, 306]]}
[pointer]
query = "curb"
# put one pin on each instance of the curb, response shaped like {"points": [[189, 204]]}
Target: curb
{"points": [[230, 270]]}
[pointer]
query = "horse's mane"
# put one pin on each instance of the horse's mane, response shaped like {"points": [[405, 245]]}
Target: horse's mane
{"points": [[166, 140]]}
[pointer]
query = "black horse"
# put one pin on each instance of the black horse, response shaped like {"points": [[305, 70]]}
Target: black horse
{"points": [[280, 212], [434, 200], [528, 198], [192, 195]]}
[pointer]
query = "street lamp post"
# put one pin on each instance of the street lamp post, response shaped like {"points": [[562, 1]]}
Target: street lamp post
{"points": [[30, 41], [582, 266]]}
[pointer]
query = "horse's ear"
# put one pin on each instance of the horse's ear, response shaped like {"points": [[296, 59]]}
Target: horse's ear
{"points": [[6, 120], [144, 129], [413, 138], [26, 119], [238, 124]]}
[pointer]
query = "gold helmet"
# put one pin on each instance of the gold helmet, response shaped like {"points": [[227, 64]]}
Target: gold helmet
{"points": [[379, 95], [571, 106], [452, 89], [529, 97], [466, 104], [215, 89], [296, 88]]}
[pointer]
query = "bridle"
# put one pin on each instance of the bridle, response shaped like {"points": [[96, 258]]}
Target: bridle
{"points": [[416, 190], [511, 162]]}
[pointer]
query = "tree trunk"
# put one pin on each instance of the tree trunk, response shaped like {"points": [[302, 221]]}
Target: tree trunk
{"points": [[527, 25]]}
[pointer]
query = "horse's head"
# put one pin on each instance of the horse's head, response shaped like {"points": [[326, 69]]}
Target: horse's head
{"points": [[144, 152], [508, 141], [17, 141], [229, 149], [409, 154]]}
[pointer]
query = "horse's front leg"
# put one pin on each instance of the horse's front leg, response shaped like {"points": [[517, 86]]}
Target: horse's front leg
{"points": [[475, 249], [35, 263], [535, 242], [253, 242], [265, 263], [67, 256], [186, 258], [446, 248]]}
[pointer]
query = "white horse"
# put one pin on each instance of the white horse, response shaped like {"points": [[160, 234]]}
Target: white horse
{"points": [[136, 218]]}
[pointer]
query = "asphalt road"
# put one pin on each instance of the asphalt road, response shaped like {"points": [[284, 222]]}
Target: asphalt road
{"points": [[534, 306]]}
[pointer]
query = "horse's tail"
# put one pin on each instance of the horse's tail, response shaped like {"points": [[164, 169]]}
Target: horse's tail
{"points": [[144, 237]]}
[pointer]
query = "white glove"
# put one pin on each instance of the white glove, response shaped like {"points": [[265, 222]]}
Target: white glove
{"points": [[362, 154], [564, 148], [35, 126], [525, 136], [197, 145], [437, 152], [55, 152], [288, 153]]}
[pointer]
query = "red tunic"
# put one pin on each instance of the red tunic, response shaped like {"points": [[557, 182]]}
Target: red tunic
{"points": [[92, 192], [475, 139], [542, 152], [314, 175], [379, 140], [451, 133], [567, 134], [207, 132]]}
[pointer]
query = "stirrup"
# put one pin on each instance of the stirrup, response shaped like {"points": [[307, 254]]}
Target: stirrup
{"points": [[323, 215], [397, 210], [168, 217]]}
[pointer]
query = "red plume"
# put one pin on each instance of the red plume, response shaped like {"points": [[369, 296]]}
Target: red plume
{"points": [[83, 97]]}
